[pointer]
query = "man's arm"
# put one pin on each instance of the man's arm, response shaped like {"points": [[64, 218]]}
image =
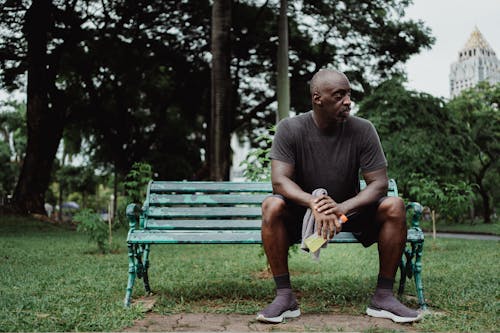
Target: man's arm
{"points": [[282, 175], [376, 187]]}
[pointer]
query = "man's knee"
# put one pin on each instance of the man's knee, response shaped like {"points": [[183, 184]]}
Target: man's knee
{"points": [[393, 209], [273, 209]]}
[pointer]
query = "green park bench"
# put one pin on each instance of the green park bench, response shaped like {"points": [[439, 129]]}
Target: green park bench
{"points": [[228, 213]]}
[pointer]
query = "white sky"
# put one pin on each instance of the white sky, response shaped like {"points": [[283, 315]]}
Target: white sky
{"points": [[452, 22]]}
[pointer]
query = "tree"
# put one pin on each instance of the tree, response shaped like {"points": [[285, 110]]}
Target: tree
{"points": [[221, 91], [424, 146], [37, 39], [369, 40], [478, 110], [133, 79], [81, 52], [42, 144], [283, 81]]}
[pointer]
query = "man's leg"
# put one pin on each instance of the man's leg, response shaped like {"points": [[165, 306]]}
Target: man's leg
{"points": [[391, 215], [275, 238]]}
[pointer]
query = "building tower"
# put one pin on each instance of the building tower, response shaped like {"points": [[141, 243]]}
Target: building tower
{"points": [[477, 62]]}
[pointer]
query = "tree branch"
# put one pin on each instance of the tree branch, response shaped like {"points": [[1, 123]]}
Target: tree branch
{"points": [[253, 112]]}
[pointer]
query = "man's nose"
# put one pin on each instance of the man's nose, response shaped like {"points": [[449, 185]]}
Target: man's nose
{"points": [[347, 100]]}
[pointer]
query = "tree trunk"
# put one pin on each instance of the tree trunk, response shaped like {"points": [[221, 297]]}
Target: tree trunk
{"points": [[283, 80], [483, 191], [219, 147], [115, 195], [44, 124], [486, 205]]}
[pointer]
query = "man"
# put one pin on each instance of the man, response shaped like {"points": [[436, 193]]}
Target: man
{"points": [[327, 148]]}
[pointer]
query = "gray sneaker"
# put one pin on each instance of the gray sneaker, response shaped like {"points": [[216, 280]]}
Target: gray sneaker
{"points": [[389, 307], [284, 306]]}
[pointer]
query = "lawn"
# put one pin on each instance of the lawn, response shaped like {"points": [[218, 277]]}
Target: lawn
{"points": [[54, 280], [478, 228]]}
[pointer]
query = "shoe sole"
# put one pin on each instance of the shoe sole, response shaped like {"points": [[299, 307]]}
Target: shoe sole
{"points": [[279, 319], [389, 315]]}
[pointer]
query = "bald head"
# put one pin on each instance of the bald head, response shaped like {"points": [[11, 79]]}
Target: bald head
{"points": [[324, 77]]}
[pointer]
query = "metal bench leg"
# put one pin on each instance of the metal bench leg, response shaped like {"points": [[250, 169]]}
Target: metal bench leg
{"points": [[405, 269], [146, 269], [418, 276], [131, 274]]}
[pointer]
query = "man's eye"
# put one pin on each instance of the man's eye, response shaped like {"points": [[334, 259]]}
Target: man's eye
{"points": [[338, 96]]}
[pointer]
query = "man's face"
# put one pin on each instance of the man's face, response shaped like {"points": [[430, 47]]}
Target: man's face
{"points": [[333, 98]]}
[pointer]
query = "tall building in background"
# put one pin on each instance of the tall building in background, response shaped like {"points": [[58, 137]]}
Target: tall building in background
{"points": [[477, 62]]}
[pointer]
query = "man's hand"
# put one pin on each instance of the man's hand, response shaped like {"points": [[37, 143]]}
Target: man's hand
{"points": [[326, 212]]}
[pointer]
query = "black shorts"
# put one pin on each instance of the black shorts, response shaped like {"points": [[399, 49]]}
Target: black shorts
{"points": [[362, 224]]}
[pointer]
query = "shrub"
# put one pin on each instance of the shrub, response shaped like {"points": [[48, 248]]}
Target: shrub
{"points": [[137, 180], [91, 223], [258, 163], [450, 200]]}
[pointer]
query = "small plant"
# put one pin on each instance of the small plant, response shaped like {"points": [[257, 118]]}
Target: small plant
{"points": [[135, 184], [258, 163], [90, 223], [137, 180]]}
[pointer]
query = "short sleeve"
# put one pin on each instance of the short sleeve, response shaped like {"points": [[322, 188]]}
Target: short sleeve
{"points": [[282, 148], [372, 154]]}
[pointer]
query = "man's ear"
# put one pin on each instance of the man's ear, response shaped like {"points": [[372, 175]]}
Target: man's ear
{"points": [[316, 98]]}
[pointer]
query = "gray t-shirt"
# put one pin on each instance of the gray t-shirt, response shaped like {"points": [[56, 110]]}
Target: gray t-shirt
{"points": [[328, 160]]}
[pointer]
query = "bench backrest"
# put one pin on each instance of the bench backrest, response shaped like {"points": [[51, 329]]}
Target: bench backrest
{"points": [[209, 205]]}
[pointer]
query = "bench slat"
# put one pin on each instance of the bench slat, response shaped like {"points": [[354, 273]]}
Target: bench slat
{"points": [[209, 187], [203, 224], [157, 199], [211, 236], [194, 237], [204, 212]]}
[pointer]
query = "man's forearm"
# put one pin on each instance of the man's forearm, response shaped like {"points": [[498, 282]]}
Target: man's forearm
{"points": [[290, 190], [370, 194]]}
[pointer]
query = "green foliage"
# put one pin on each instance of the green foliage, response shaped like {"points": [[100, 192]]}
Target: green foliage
{"points": [[80, 179], [91, 224], [12, 143], [418, 134], [13, 127], [424, 145], [136, 182], [121, 219], [258, 163], [135, 186], [478, 110], [154, 104], [452, 200], [8, 170]]}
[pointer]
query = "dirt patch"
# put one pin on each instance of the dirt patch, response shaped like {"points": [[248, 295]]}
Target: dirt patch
{"points": [[207, 322]]}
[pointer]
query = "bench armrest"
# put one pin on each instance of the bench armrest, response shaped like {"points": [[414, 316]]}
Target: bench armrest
{"points": [[417, 213], [133, 211]]}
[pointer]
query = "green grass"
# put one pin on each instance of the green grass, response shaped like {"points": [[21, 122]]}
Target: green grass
{"points": [[54, 280], [476, 227], [479, 228]]}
